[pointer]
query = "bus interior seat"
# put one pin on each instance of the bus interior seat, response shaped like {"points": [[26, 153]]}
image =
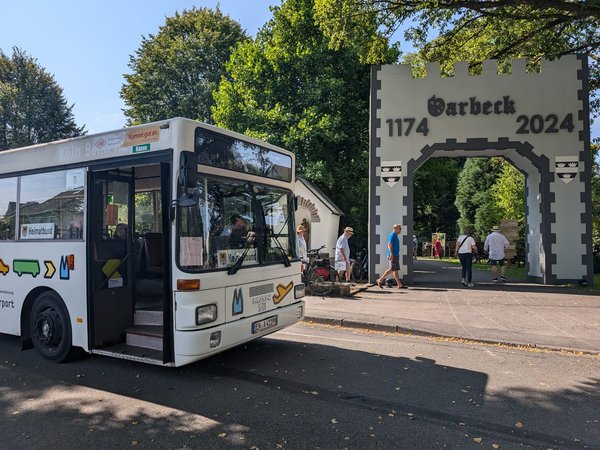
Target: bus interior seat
{"points": [[153, 252]]}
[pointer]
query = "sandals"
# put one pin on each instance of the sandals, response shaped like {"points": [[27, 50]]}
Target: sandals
{"points": [[380, 284]]}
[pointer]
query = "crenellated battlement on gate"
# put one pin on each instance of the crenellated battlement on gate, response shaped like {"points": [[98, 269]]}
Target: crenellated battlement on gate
{"points": [[490, 69]]}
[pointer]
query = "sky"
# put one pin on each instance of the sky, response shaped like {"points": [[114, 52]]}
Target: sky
{"points": [[86, 44]]}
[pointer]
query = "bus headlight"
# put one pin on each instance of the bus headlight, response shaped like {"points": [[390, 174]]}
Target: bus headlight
{"points": [[299, 291], [206, 314]]}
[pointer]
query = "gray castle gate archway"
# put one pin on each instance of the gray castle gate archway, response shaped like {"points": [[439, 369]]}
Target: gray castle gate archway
{"points": [[539, 122]]}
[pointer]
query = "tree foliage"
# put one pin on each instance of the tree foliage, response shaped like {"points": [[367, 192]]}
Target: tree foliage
{"points": [[288, 88], [176, 71], [596, 205], [434, 189], [509, 194], [475, 30], [33, 109], [474, 199]]}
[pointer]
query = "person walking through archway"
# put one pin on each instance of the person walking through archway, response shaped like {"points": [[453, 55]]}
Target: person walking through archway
{"points": [[495, 243], [393, 256], [465, 247]]}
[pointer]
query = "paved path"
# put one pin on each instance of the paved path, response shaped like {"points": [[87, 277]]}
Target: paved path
{"points": [[515, 313]]}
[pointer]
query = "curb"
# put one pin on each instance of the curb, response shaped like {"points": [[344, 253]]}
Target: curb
{"points": [[420, 333]]}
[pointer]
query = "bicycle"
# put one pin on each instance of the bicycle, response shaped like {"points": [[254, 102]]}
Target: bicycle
{"points": [[359, 266], [319, 276]]}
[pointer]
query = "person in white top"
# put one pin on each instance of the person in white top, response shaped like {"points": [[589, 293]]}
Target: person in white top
{"points": [[302, 249], [342, 254], [465, 247], [495, 243]]}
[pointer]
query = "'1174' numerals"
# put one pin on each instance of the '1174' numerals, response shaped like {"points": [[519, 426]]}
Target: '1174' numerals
{"points": [[403, 127]]}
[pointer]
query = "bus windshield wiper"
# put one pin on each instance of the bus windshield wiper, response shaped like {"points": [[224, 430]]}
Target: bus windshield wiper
{"points": [[284, 258], [250, 239]]}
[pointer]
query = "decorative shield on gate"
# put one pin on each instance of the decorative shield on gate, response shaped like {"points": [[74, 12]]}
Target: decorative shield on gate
{"points": [[391, 171], [566, 167]]}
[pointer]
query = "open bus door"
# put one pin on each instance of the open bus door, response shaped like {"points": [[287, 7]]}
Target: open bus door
{"points": [[110, 256], [129, 257]]}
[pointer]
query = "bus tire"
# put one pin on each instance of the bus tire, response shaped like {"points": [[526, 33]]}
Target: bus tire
{"points": [[50, 327]]}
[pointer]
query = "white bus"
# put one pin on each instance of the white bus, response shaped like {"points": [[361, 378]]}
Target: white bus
{"points": [[162, 243]]}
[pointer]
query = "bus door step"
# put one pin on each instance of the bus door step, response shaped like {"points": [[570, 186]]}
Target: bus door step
{"points": [[145, 336]]}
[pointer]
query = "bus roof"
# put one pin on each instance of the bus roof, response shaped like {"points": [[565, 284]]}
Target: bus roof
{"points": [[139, 139]]}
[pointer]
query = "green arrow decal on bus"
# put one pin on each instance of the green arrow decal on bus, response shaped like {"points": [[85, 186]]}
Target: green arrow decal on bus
{"points": [[30, 266]]}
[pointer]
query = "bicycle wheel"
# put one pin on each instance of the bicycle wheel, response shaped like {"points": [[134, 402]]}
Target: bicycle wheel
{"points": [[356, 272], [316, 283]]}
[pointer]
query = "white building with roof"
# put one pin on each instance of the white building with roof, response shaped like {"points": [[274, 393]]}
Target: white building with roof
{"points": [[319, 216]]}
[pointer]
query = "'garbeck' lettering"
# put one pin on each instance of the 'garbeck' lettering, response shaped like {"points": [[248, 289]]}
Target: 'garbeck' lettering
{"points": [[437, 106]]}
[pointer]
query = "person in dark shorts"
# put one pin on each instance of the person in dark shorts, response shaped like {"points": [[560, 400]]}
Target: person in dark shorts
{"points": [[495, 243], [393, 256]]}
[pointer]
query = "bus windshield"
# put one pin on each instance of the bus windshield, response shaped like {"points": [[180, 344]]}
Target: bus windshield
{"points": [[235, 223]]}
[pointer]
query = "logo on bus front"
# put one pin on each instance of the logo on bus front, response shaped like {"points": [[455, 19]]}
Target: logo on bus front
{"points": [[237, 306]]}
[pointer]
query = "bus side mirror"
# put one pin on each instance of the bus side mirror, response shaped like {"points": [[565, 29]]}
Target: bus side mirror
{"points": [[188, 170], [188, 179]]}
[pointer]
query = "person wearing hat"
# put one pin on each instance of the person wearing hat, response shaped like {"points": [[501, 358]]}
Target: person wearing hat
{"points": [[393, 256], [342, 254], [302, 249], [495, 243]]}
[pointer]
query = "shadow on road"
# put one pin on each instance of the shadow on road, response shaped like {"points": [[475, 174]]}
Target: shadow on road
{"points": [[275, 393]]}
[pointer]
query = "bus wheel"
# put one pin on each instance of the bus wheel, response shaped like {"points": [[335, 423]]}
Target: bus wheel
{"points": [[50, 327]]}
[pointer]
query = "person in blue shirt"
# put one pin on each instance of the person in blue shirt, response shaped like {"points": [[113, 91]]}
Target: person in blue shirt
{"points": [[393, 256]]}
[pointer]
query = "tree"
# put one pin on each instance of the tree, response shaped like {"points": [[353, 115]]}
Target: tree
{"points": [[288, 88], [473, 194], [175, 72], [33, 109], [596, 205], [434, 190], [509, 194], [476, 30]]}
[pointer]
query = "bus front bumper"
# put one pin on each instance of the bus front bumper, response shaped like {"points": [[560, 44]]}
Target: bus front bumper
{"points": [[195, 345]]}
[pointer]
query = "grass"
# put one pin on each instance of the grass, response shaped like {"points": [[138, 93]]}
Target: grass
{"points": [[514, 272]]}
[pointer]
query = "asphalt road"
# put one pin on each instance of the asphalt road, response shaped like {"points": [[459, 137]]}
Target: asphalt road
{"points": [[307, 387]]}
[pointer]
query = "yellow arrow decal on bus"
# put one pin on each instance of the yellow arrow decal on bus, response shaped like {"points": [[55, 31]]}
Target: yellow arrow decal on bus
{"points": [[282, 291], [4, 269], [50, 269]]}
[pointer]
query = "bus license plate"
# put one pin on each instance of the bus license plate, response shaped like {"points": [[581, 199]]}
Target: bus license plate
{"points": [[265, 324]]}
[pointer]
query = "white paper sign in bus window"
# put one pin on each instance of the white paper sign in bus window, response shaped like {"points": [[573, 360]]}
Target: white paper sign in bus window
{"points": [[37, 231]]}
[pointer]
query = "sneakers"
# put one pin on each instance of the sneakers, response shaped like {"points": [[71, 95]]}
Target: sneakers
{"points": [[494, 279], [464, 282], [503, 279], [471, 284]]}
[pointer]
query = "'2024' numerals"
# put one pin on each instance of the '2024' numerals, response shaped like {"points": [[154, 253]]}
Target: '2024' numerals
{"points": [[537, 124], [403, 127]]}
